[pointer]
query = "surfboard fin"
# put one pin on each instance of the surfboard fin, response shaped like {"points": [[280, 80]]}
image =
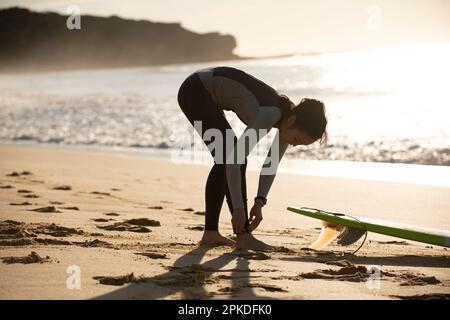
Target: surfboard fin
{"points": [[349, 236], [328, 233]]}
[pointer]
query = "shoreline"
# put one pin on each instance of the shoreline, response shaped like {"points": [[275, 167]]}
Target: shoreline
{"points": [[237, 58], [428, 175], [7, 72]]}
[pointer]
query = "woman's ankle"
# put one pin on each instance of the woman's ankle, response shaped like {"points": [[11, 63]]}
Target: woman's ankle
{"points": [[244, 235], [211, 233]]}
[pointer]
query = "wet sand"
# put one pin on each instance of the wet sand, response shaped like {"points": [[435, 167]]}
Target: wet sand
{"points": [[131, 226]]}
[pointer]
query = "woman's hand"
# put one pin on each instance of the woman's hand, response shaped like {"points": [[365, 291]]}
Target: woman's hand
{"points": [[255, 217], [238, 220]]}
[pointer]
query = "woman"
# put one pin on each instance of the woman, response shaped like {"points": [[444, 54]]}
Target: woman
{"points": [[203, 97]]}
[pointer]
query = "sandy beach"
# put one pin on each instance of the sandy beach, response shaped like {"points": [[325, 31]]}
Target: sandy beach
{"points": [[129, 227]]}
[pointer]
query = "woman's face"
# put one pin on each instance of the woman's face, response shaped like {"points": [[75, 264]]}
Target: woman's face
{"points": [[294, 136]]}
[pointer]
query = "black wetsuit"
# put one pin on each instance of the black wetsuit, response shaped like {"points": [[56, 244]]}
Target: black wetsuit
{"points": [[203, 96]]}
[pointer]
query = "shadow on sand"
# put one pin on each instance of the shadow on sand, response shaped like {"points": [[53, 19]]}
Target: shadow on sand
{"points": [[187, 277]]}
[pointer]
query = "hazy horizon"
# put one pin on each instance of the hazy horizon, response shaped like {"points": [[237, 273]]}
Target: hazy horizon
{"points": [[289, 26]]}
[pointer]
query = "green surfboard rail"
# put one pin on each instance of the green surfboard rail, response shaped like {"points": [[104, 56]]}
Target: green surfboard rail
{"points": [[439, 238]]}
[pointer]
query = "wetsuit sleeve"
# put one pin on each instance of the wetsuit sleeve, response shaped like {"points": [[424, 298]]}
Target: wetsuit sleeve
{"points": [[264, 120], [270, 166]]}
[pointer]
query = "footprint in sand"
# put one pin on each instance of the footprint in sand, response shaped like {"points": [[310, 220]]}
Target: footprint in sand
{"points": [[430, 296], [16, 174], [8, 186], [352, 273], [14, 233], [411, 279], [236, 289], [186, 209], [118, 280], [102, 220], [340, 263], [115, 189], [26, 203], [152, 255], [120, 226], [50, 209], [96, 234], [33, 257], [101, 193], [196, 228], [56, 242], [155, 208], [400, 243], [267, 287], [113, 214], [71, 208], [349, 273], [95, 244], [24, 191], [144, 222], [56, 202], [11, 229], [132, 225], [31, 196], [62, 188]]}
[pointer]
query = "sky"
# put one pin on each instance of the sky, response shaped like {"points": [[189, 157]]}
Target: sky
{"points": [[273, 27]]}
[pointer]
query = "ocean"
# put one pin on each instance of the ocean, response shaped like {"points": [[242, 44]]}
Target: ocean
{"points": [[387, 105]]}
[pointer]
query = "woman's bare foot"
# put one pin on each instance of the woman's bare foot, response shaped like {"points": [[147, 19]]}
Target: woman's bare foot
{"points": [[214, 238], [247, 241]]}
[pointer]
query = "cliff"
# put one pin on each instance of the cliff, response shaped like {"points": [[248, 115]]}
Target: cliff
{"points": [[33, 41]]}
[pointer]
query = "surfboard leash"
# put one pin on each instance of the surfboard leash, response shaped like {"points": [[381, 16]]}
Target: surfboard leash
{"points": [[345, 215]]}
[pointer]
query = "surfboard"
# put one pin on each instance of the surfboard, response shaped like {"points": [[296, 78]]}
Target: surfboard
{"points": [[334, 224]]}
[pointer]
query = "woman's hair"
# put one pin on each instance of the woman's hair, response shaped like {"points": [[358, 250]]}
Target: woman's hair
{"points": [[310, 117]]}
